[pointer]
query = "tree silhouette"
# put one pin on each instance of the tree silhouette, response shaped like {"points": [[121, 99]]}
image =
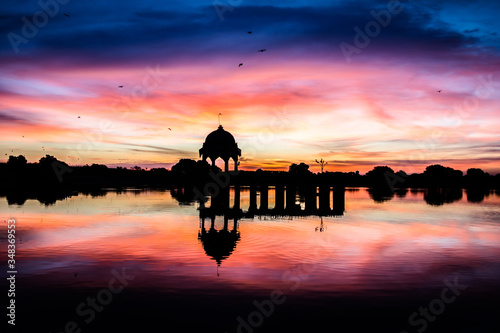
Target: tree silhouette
{"points": [[301, 168], [98, 167], [191, 171], [378, 177], [438, 175], [321, 163], [47, 161], [379, 171], [477, 178], [476, 173], [17, 162], [187, 166]]}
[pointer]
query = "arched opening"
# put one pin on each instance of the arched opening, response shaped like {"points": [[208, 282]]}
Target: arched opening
{"points": [[219, 162], [233, 166]]}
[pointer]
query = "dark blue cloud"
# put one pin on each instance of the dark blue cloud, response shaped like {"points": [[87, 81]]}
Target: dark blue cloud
{"points": [[112, 32]]}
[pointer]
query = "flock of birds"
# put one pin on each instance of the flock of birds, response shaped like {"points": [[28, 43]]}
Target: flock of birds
{"points": [[240, 64], [261, 50]]}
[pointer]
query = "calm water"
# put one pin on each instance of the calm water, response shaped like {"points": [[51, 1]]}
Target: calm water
{"points": [[370, 268]]}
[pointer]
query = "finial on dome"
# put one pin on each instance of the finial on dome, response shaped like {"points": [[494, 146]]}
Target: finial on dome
{"points": [[219, 119]]}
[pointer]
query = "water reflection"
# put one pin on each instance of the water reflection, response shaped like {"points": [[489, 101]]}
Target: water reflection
{"points": [[441, 196], [321, 227], [401, 192], [184, 195], [477, 195], [219, 244], [274, 201], [285, 200], [257, 201], [47, 197], [380, 195], [333, 246]]}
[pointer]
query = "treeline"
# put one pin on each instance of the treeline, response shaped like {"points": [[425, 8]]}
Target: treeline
{"points": [[50, 173]]}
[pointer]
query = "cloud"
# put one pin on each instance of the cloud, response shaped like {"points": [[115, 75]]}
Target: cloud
{"points": [[152, 148], [187, 33], [18, 117], [6, 117]]}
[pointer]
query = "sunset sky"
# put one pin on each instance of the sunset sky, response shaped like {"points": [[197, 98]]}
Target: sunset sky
{"points": [[353, 82]]}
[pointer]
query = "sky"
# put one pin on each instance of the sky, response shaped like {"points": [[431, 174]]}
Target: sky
{"points": [[357, 83]]}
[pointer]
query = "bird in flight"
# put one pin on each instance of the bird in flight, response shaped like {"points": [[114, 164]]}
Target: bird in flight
{"points": [[169, 129], [439, 91], [78, 116], [67, 15], [262, 50], [120, 86], [240, 65], [249, 32]]}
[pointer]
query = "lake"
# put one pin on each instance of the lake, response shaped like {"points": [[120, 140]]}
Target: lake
{"points": [[140, 260]]}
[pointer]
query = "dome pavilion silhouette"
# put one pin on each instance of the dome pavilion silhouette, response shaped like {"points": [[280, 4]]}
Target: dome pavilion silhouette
{"points": [[221, 144], [219, 244]]}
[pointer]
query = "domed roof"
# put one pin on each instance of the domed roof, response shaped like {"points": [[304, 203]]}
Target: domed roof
{"points": [[219, 244], [220, 137], [220, 143]]}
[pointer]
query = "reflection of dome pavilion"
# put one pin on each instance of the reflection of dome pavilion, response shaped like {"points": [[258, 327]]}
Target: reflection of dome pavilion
{"points": [[219, 244], [221, 143]]}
